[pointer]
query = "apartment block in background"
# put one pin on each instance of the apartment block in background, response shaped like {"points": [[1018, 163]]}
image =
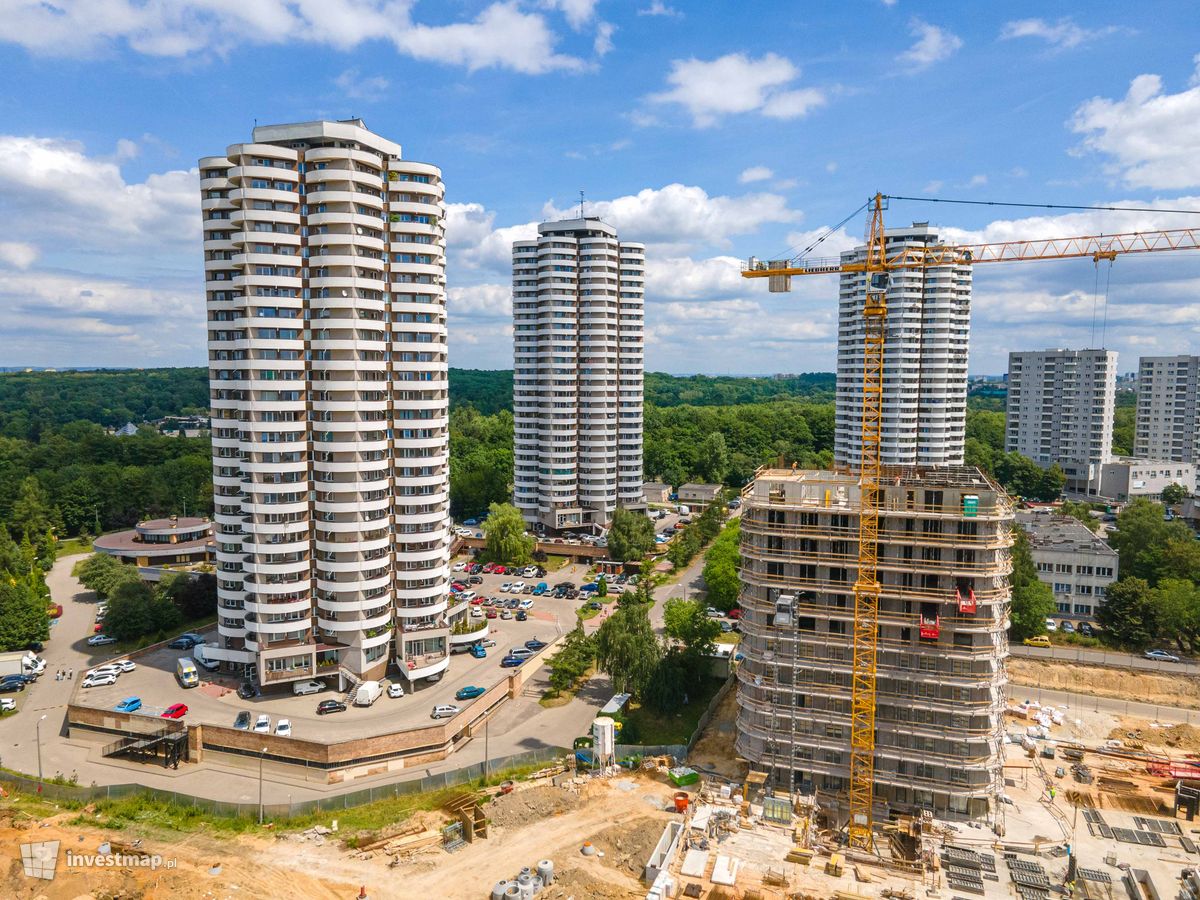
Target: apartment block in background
{"points": [[1072, 559], [1168, 409], [925, 367], [577, 380], [1060, 411], [944, 569], [324, 258]]}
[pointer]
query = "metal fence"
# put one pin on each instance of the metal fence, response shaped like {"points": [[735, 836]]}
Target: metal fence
{"points": [[10, 782]]}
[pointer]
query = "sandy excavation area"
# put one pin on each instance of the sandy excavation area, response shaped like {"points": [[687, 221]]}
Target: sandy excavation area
{"points": [[623, 817]]}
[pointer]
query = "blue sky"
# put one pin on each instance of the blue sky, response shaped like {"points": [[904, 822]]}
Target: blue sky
{"points": [[711, 131]]}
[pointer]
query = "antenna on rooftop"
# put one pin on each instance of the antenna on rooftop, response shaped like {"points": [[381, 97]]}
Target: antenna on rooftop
{"points": [[581, 204]]}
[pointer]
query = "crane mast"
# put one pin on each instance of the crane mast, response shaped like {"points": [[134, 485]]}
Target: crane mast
{"points": [[876, 265]]}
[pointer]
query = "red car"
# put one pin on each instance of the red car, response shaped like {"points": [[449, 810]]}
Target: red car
{"points": [[489, 568], [491, 613], [734, 613], [457, 586], [499, 570], [477, 601], [174, 711]]}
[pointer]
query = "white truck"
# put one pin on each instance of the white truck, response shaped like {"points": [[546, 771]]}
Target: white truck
{"points": [[368, 692], [203, 659], [684, 510], [21, 662]]}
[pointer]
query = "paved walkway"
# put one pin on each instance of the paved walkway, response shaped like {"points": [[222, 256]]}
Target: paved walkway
{"points": [[519, 725]]}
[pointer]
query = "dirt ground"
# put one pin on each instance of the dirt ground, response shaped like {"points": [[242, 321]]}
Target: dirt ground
{"points": [[524, 806], [714, 751], [1173, 737], [1102, 681]]}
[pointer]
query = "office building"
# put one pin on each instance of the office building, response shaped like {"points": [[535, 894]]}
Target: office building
{"points": [[1168, 409], [943, 616], [577, 375], [1076, 563], [925, 365], [324, 274], [1060, 411], [1123, 479]]}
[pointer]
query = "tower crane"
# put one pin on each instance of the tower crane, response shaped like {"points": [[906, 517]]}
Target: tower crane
{"points": [[876, 264]]}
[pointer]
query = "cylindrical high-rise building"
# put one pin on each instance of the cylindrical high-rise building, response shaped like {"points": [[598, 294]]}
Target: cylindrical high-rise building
{"points": [[325, 282], [925, 362], [577, 381]]}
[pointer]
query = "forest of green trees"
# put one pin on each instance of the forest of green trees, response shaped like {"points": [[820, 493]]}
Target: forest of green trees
{"points": [[698, 428]]}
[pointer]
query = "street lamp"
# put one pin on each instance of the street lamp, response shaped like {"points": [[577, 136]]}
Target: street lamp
{"points": [[261, 756], [38, 729]]}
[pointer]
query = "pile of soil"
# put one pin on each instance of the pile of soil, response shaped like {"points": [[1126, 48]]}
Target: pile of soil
{"points": [[628, 845], [577, 884], [1179, 737], [1106, 681], [522, 807], [714, 750]]}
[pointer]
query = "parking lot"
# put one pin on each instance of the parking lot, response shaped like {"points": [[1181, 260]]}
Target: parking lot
{"points": [[216, 702]]}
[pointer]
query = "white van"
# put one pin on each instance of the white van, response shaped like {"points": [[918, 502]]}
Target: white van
{"points": [[187, 673], [368, 692], [685, 510], [300, 688]]}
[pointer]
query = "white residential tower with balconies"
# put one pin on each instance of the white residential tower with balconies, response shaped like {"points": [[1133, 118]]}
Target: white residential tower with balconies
{"points": [[577, 382], [325, 280], [925, 367]]}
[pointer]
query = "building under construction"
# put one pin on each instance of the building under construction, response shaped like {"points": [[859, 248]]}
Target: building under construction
{"points": [[943, 567]]}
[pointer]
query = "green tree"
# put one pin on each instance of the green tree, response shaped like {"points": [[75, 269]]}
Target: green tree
{"points": [[631, 535], [1130, 613], [1142, 538], [135, 610], [31, 511], [23, 615], [1032, 599], [721, 565], [626, 649], [686, 621], [1177, 609], [194, 595], [507, 542], [1174, 494], [575, 656], [103, 573], [1078, 510], [714, 458], [602, 587]]}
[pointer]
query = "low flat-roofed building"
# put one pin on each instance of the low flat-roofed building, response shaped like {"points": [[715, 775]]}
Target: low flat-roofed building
{"points": [[655, 492], [698, 496], [1124, 479], [1072, 559], [174, 541]]}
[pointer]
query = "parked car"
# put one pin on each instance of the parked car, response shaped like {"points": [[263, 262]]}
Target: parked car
{"points": [[183, 643], [283, 728], [516, 587], [1067, 627], [247, 690], [521, 615], [534, 645], [511, 662], [478, 652], [525, 604], [540, 589], [1086, 629], [174, 711], [486, 642], [468, 596], [459, 567], [262, 725], [491, 613], [734, 613], [8, 704], [489, 568], [470, 692], [590, 588], [713, 613], [1161, 656], [108, 669], [125, 665], [330, 706], [395, 689], [242, 722], [726, 626], [99, 680], [444, 711], [476, 612], [312, 686], [129, 704], [1051, 625], [475, 579], [99, 640], [520, 652], [1039, 640], [506, 614]]}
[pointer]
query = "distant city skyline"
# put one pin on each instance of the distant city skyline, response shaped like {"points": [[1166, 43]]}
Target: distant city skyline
{"points": [[709, 139]]}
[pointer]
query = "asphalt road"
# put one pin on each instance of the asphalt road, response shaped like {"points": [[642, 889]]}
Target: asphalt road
{"points": [[1106, 658]]}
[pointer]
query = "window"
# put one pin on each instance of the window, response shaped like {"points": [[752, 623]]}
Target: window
{"points": [[1060, 588]]}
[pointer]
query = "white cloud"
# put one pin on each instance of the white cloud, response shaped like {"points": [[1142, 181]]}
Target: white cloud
{"points": [[60, 191], [501, 36], [1150, 136], [683, 216], [17, 254], [933, 45], [476, 243], [736, 83], [658, 8], [1063, 34], [356, 86], [977, 181], [604, 42], [755, 173], [480, 300], [577, 12]]}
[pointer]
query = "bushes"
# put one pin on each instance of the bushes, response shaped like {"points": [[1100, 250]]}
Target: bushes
{"points": [[702, 530], [135, 610], [572, 661], [631, 535]]}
